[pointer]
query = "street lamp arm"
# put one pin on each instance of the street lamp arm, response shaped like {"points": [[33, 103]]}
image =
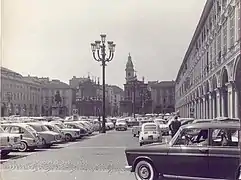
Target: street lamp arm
{"points": [[111, 55], [98, 53], [95, 57]]}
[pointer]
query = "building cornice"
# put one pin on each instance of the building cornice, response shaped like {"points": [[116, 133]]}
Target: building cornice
{"points": [[204, 15]]}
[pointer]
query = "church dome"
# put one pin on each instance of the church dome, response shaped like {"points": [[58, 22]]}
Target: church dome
{"points": [[129, 63]]}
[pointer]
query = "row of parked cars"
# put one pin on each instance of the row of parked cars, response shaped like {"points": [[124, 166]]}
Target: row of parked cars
{"points": [[201, 149], [29, 134]]}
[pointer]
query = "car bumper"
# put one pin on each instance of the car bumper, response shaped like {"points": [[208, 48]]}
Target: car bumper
{"points": [[128, 168]]}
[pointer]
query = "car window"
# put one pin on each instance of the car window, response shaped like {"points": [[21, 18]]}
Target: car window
{"points": [[224, 137], [150, 128], [15, 130], [192, 137]]}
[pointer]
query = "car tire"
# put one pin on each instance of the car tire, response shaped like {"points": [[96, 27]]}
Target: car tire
{"points": [[23, 147], [145, 170], [141, 143], [68, 137], [134, 135]]}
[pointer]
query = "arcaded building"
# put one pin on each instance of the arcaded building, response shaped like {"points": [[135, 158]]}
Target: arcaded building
{"points": [[208, 81]]}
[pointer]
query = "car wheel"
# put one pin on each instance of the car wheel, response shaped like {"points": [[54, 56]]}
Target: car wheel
{"points": [[141, 143], [144, 170], [23, 146], [134, 135], [68, 137]]}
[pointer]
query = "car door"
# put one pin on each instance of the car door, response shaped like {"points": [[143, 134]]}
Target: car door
{"points": [[223, 158], [187, 160]]}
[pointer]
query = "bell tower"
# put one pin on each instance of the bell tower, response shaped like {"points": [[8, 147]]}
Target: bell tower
{"points": [[130, 72]]}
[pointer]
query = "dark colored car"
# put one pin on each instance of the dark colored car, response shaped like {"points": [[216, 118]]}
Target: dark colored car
{"points": [[197, 151]]}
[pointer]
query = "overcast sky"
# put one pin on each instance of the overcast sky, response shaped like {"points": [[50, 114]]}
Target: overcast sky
{"points": [[52, 37]]}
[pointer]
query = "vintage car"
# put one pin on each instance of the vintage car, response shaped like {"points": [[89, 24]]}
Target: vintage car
{"points": [[83, 131], [30, 138], [150, 133], [48, 137], [54, 128], [70, 134], [8, 142], [121, 125], [197, 151], [137, 129], [163, 126]]}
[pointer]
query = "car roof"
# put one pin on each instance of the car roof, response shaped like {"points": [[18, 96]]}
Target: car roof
{"points": [[15, 124], [212, 125]]}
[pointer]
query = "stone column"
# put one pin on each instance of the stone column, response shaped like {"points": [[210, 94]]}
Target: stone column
{"points": [[230, 100], [204, 108], [222, 103], [236, 104], [213, 107], [218, 102], [210, 101], [200, 108]]}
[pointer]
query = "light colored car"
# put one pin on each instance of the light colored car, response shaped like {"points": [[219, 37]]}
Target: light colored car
{"points": [[54, 128], [121, 125], [8, 142], [163, 126], [48, 137], [150, 132], [30, 138], [137, 129], [75, 125]]}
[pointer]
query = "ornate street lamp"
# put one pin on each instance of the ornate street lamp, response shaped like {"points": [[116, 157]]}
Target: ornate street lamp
{"points": [[99, 53]]}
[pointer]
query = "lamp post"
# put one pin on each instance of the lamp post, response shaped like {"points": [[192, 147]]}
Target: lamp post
{"points": [[99, 54]]}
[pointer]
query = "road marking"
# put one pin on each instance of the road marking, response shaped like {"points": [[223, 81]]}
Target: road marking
{"points": [[98, 147]]}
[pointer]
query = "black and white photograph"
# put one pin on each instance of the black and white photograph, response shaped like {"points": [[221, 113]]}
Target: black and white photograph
{"points": [[120, 90]]}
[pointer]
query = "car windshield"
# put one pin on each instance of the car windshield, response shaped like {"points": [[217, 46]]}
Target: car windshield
{"points": [[160, 121], [150, 128], [30, 129], [61, 126], [39, 128]]}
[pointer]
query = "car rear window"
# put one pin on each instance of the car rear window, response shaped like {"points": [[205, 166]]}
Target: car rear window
{"points": [[150, 128]]}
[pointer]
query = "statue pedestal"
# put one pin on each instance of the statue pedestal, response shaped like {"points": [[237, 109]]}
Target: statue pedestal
{"points": [[55, 111]]}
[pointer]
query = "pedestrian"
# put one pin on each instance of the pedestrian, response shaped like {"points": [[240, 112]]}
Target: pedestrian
{"points": [[174, 126]]}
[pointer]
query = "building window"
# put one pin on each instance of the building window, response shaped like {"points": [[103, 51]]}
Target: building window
{"points": [[232, 30], [225, 38], [219, 46], [238, 17]]}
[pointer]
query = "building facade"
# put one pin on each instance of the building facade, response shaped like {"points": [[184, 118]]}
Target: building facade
{"points": [[137, 96], [207, 82], [19, 95], [57, 98], [163, 96], [88, 98]]}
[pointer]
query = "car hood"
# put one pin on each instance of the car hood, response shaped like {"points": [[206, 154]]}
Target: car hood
{"points": [[48, 132], [69, 129], [151, 148]]}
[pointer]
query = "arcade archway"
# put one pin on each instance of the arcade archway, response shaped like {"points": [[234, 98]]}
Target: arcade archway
{"points": [[238, 86]]}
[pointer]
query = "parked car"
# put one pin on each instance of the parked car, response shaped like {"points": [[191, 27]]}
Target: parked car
{"points": [[121, 125], [163, 126], [137, 129], [54, 128], [30, 138], [8, 142], [191, 154], [150, 132], [75, 125], [48, 137], [70, 134]]}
